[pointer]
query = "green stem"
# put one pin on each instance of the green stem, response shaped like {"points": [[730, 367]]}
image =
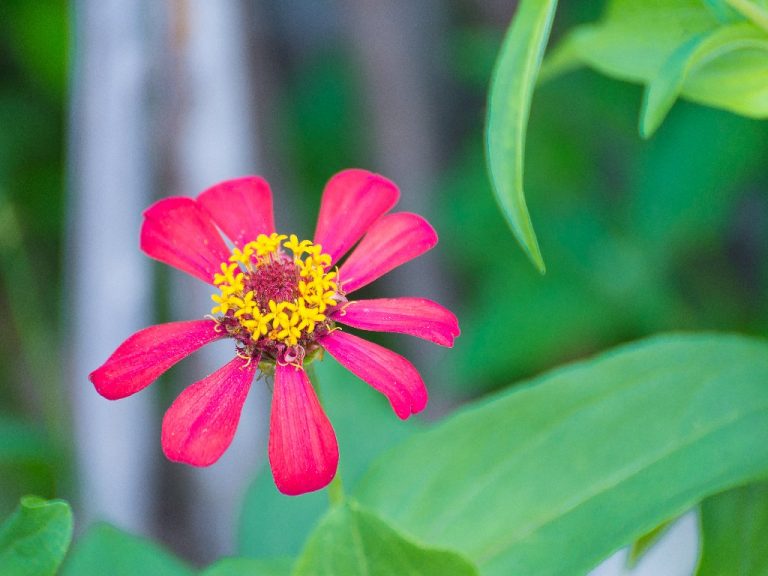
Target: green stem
{"points": [[336, 491], [336, 487]]}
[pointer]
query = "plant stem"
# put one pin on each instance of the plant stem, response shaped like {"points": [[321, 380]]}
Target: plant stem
{"points": [[336, 487], [336, 491]]}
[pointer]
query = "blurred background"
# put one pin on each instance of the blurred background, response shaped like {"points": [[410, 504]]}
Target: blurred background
{"points": [[108, 105]]}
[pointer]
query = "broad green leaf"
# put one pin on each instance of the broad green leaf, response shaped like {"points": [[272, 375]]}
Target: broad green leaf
{"points": [[35, 538], [509, 104], [665, 87], [552, 477], [104, 549], [734, 533], [249, 567], [272, 524], [351, 540]]}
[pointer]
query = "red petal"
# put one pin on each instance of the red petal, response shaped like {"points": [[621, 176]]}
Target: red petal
{"points": [[141, 359], [415, 316], [302, 446], [387, 372], [242, 208], [393, 240], [352, 201], [201, 422], [178, 232]]}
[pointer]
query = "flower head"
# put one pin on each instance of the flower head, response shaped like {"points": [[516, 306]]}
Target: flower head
{"points": [[280, 299]]}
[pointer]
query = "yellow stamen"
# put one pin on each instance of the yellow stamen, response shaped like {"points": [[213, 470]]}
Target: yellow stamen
{"points": [[281, 321]]}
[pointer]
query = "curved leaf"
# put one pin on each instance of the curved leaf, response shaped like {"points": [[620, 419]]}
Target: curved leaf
{"points": [[509, 104], [663, 90], [553, 477], [351, 540], [35, 538], [104, 549], [636, 37], [249, 567]]}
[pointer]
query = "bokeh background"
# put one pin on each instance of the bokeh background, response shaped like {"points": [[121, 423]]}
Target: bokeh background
{"points": [[108, 105]]}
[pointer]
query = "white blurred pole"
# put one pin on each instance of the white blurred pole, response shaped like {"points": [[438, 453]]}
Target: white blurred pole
{"points": [[216, 141], [108, 278], [397, 44]]}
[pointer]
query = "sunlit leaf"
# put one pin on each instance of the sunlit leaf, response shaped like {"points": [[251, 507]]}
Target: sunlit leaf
{"points": [[553, 477], [637, 38], [351, 540], [509, 104], [35, 538], [665, 87]]}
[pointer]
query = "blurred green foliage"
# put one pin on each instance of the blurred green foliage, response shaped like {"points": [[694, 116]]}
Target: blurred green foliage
{"points": [[33, 82]]}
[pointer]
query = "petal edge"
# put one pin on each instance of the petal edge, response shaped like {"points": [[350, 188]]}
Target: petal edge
{"points": [[418, 317], [303, 452], [179, 233], [382, 369], [242, 208], [200, 424], [145, 355], [352, 201], [391, 241]]}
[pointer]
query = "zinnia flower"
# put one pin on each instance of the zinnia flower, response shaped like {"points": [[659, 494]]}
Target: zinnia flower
{"points": [[280, 300]]}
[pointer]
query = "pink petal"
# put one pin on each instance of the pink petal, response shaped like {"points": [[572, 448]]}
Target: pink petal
{"points": [[242, 208], [141, 359], [393, 240], [387, 372], [178, 232], [415, 316], [303, 452], [352, 201], [201, 422]]}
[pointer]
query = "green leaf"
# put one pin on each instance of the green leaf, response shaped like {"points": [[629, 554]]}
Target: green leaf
{"points": [[35, 538], [272, 524], [646, 542], [555, 476], [509, 104], [663, 90], [755, 13], [105, 549], [635, 39], [722, 11], [249, 567], [734, 526], [351, 540]]}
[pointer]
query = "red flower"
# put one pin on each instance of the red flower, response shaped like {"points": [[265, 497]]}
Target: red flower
{"points": [[281, 310]]}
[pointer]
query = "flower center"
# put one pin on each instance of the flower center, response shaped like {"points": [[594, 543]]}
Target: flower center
{"points": [[274, 303]]}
